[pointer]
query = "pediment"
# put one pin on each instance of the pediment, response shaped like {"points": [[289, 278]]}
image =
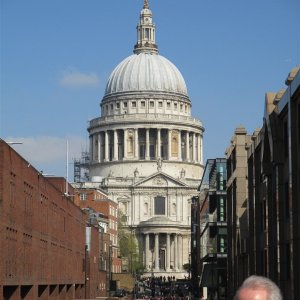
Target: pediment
{"points": [[159, 179]]}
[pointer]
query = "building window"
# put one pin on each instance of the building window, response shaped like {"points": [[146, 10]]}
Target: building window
{"points": [[159, 205], [118, 105], [152, 104], [160, 104], [125, 104], [133, 104], [175, 106], [111, 106], [143, 104], [83, 197], [168, 105], [181, 107]]}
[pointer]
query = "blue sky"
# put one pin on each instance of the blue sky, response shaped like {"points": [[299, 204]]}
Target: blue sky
{"points": [[57, 55]]}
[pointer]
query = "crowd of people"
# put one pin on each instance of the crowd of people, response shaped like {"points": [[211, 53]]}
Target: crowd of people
{"points": [[163, 288], [168, 288]]}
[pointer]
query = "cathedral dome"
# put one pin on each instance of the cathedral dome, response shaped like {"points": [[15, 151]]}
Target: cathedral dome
{"points": [[146, 71]]}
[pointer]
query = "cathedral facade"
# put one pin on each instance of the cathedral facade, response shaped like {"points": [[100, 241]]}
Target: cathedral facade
{"points": [[146, 152]]}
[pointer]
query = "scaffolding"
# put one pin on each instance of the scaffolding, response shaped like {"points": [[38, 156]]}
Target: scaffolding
{"points": [[81, 167]]}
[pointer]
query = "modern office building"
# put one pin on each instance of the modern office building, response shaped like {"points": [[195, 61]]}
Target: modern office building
{"points": [[211, 240], [146, 152], [274, 190]]}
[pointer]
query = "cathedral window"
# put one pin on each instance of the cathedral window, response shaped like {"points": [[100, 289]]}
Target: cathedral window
{"points": [[159, 205]]}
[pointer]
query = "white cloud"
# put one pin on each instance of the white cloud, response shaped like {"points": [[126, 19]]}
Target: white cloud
{"points": [[73, 78], [48, 153]]}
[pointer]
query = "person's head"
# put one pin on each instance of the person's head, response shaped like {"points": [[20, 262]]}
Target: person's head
{"points": [[258, 288]]}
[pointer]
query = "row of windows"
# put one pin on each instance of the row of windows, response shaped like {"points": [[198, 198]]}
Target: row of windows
{"points": [[113, 224], [113, 211], [143, 105]]}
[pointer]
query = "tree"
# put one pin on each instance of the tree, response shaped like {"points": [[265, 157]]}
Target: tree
{"points": [[128, 246]]}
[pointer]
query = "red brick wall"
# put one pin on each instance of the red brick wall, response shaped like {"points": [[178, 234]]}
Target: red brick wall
{"points": [[42, 236]]}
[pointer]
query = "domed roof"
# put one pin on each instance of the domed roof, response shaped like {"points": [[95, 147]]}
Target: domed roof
{"points": [[146, 71]]}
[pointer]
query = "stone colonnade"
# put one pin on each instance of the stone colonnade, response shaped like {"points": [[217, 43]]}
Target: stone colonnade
{"points": [[146, 144], [163, 251]]}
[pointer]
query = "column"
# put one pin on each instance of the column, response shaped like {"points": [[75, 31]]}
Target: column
{"points": [[199, 149], [125, 144], [116, 145], [147, 144], [187, 146], [175, 252], [179, 145], [156, 252], [91, 147], [168, 252], [158, 144], [106, 158], [194, 146], [146, 251], [136, 143], [169, 144], [99, 147], [180, 252]]}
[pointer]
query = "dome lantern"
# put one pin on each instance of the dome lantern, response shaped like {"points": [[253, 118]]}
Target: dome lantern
{"points": [[145, 32]]}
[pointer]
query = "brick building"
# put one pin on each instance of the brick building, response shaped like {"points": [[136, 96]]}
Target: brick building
{"points": [[42, 237], [96, 199]]}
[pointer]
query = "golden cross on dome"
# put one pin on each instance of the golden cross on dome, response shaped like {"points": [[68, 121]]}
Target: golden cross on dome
{"points": [[146, 4]]}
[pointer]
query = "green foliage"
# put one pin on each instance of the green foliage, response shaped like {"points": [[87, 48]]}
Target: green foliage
{"points": [[128, 246]]}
